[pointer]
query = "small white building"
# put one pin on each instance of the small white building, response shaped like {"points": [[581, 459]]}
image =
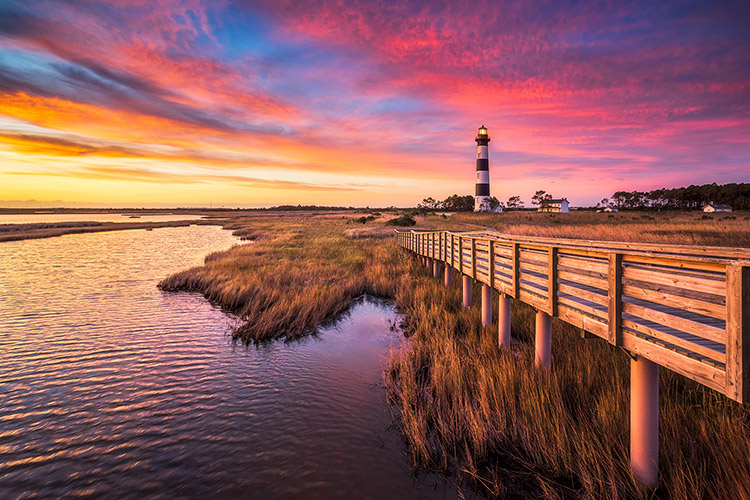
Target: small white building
{"points": [[610, 209], [484, 206], [560, 205], [715, 207]]}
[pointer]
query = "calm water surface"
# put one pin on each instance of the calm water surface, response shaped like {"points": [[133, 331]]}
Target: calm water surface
{"points": [[111, 388], [36, 218]]}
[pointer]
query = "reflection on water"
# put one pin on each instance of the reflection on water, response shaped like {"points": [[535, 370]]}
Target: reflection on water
{"points": [[109, 387]]}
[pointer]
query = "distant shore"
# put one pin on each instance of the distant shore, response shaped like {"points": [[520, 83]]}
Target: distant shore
{"points": [[17, 232], [228, 219], [37, 230]]}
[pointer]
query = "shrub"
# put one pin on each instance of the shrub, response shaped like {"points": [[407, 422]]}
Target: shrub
{"points": [[404, 220]]}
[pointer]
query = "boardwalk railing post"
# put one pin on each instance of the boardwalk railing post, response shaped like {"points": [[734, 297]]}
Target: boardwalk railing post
{"points": [[474, 258], [543, 341], [467, 290], [552, 282], [442, 246], [453, 254], [614, 296], [491, 263], [644, 420], [461, 254], [738, 332], [503, 324], [516, 272], [487, 289], [445, 246]]}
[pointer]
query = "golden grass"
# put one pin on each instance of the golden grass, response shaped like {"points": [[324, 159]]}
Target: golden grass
{"points": [[517, 432], [679, 228], [464, 405], [298, 273]]}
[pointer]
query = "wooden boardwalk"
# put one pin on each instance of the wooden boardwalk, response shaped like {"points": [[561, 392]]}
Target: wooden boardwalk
{"points": [[685, 308]]}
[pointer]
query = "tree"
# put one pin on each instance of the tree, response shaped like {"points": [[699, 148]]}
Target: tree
{"points": [[494, 203], [456, 203], [685, 198], [429, 203], [514, 202], [540, 197]]}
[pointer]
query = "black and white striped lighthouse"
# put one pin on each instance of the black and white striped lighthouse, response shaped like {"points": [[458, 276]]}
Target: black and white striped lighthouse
{"points": [[482, 199]]}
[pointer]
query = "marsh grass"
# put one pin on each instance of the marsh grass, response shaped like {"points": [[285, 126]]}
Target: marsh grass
{"points": [[517, 432], [680, 228], [464, 405], [299, 272]]}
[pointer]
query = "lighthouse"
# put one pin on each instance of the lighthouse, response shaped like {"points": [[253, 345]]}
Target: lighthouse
{"points": [[482, 199]]}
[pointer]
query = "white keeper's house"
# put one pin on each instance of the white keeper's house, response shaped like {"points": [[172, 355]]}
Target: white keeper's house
{"points": [[715, 207], [560, 205]]}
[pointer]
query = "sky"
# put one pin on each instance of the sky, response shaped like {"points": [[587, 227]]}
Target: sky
{"points": [[366, 102]]}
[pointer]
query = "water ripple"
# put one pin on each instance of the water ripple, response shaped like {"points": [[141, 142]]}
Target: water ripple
{"points": [[109, 387]]}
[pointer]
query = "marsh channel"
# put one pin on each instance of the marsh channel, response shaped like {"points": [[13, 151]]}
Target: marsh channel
{"points": [[111, 388]]}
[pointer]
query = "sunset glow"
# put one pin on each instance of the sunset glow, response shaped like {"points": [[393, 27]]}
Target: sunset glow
{"points": [[365, 102]]}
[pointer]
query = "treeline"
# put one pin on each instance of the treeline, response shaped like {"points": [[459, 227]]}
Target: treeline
{"points": [[686, 198], [454, 203]]}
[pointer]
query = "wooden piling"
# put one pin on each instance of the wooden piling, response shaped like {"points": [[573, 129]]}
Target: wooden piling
{"points": [[486, 305], [467, 281], [543, 341], [503, 323], [644, 420]]}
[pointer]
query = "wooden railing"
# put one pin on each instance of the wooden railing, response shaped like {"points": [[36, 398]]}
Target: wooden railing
{"points": [[685, 308]]}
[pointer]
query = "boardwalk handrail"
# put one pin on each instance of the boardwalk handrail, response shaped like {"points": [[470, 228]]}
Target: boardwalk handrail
{"points": [[686, 308]]}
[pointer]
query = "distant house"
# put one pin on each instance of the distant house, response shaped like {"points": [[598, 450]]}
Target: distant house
{"points": [[554, 205], [715, 207], [610, 209]]}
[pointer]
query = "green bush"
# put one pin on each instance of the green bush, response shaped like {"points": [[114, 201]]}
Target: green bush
{"points": [[404, 220]]}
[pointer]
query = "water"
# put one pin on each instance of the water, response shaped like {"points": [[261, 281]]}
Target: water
{"points": [[101, 217], [111, 388]]}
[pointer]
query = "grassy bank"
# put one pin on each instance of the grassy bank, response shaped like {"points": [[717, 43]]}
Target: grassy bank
{"points": [[298, 272], [462, 404]]}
